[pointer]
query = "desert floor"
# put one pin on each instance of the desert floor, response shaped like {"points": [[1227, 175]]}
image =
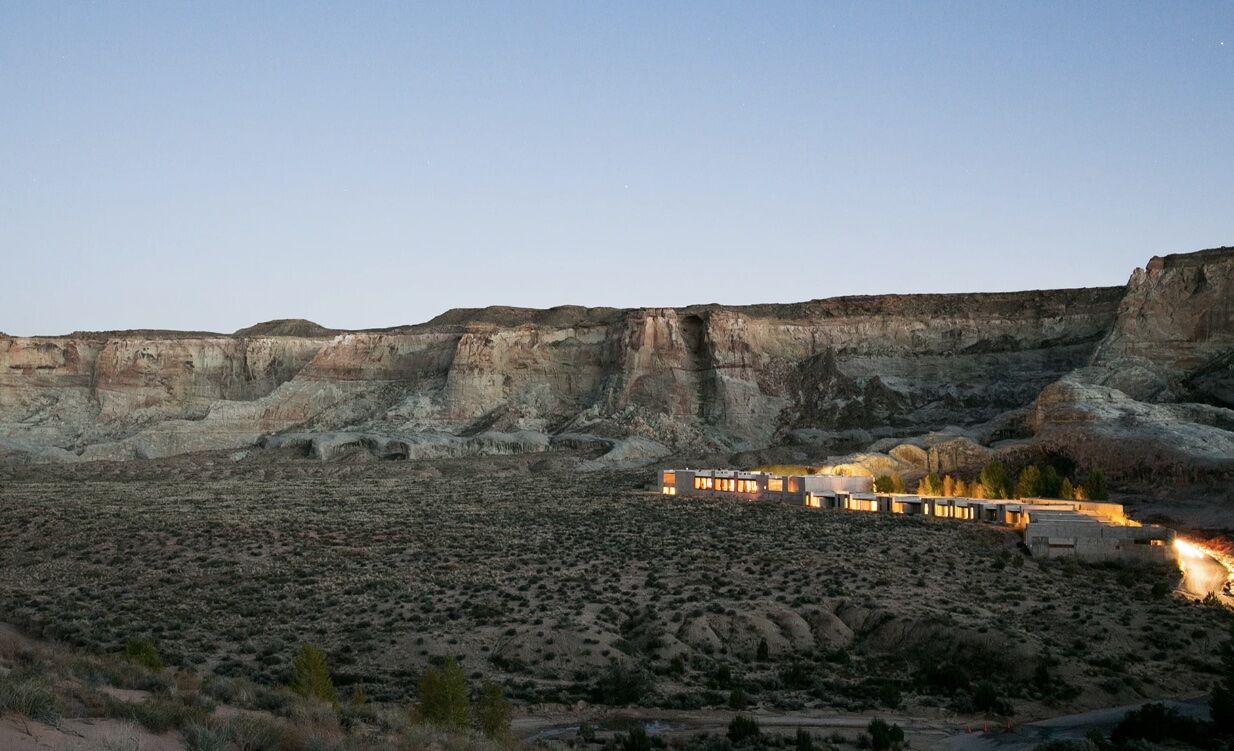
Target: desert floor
{"points": [[581, 592]]}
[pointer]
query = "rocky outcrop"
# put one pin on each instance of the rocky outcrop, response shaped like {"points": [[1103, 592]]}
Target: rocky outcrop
{"points": [[855, 372], [1156, 398]]}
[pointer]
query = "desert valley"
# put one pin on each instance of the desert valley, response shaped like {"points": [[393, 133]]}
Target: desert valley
{"points": [[192, 523]]}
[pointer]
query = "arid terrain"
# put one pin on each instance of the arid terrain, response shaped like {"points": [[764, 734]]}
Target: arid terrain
{"points": [[574, 587], [476, 487]]}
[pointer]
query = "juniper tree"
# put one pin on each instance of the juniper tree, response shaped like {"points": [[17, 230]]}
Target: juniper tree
{"points": [[310, 676]]}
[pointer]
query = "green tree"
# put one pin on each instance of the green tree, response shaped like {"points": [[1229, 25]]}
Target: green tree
{"points": [[492, 711], [1029, 484], [310, 677], [930, 485], [142, 652], [1051, 482], [994, 483], [1095, 488], [1065, 490], [443, 696], [891, 483]]}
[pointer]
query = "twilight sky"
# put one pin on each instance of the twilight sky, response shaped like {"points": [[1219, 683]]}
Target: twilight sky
{"points": [[210, 165]]}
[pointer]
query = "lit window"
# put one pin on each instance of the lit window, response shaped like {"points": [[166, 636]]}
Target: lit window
{"points": [[792, 485], [775, 484], [670, 478]]}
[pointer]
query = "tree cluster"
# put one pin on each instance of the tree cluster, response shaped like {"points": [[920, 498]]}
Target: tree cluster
{"points": [[995, 482]]}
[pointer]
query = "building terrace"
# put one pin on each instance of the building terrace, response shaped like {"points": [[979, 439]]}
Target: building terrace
{"points": [[1051, 527]]}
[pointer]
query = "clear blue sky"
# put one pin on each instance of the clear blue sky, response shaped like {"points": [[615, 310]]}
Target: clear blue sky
{"points": [[208, 165]]}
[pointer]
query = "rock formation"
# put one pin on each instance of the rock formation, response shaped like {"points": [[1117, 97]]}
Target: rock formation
{"points": [[1074, 369]]}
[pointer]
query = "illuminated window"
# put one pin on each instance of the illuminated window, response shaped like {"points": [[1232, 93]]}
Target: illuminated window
{"points": [[792, 485], [670, 478], [775, 484]]}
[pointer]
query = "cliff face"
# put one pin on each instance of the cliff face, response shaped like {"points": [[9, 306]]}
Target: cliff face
{"points": [[1156, 398], [733, 378], [706, 375]]}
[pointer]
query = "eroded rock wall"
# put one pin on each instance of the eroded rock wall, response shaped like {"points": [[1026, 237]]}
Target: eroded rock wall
{"points": [[697, 376]]}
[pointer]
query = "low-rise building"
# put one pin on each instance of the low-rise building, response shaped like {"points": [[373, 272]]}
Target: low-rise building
{"points": [[1052, 527], [756, 486]]}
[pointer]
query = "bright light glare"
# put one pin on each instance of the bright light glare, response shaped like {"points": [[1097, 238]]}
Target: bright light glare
{"points": [[1188, 550]]}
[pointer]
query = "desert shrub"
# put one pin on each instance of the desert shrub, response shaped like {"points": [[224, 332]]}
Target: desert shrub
{"points": [[635, 740], [620, 684], [492, 711], [310, 676], [889, 696], [803, 741], [443, 697], [144, 653], [742, 729], [29, 696], [884, 736], [986, 699], [677, 665], [157, 714], [251, 733], [738, 699], [203, 737], [1156, 723], [586, 732], [796, 676], [946, 677]]}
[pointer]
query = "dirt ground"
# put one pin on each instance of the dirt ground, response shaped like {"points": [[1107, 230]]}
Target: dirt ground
{"points": [[576, 590]]}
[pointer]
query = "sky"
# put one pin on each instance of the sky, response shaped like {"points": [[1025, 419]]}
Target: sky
{"points": [[206, 166]]}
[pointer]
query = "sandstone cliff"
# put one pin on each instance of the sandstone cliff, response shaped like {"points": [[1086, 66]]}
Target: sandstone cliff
{"points": [[1156, 397], [842, 371]]}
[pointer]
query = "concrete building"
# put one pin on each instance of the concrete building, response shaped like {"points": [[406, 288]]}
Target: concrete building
{"points": [[1052, 528], [1054, 533], [756, 486]]}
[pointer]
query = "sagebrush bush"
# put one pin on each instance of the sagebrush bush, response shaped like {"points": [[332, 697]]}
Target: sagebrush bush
{"points": [[29, 696], [203, 737], [144, 653]]}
